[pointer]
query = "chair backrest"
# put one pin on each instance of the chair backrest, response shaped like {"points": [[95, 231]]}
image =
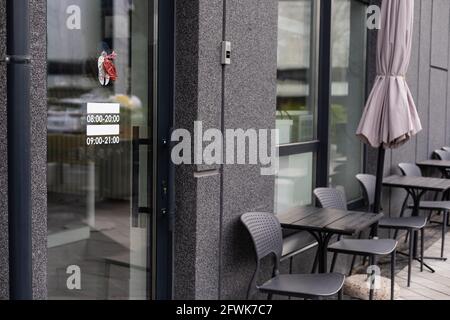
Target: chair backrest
{"points": [[410, 170], [368, 184], [446, 149], [441, 155], [331, 198], [265, 231]]}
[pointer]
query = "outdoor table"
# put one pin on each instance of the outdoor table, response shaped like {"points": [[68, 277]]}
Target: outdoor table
{"points": [[323, 224], [416, 187], [442, 165]]}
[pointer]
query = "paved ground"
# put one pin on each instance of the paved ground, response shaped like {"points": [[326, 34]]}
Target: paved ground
{"points": [[426, 285]]}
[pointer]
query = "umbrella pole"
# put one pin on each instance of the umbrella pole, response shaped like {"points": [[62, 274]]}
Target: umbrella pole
{"points": [[379, 183]]}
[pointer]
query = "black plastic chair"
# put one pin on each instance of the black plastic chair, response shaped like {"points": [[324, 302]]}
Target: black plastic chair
{"points": [[410, 169], [410, 224], [265, 231], [335, 199]]}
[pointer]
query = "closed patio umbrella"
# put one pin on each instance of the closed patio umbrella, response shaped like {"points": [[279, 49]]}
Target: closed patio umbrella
{"points": [[390, 117]]}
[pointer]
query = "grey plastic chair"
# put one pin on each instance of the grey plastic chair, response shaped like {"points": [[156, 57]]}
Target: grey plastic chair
{"points": [[410, 169], [265, 231], [335, 199], [441, 155], [410, 224]]}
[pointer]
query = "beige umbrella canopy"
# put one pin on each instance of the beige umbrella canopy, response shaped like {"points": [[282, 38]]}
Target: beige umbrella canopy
{"points": [[390, 117]]}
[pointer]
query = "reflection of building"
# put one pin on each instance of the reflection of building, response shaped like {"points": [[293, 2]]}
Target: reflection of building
{"points": [[108, 208]]}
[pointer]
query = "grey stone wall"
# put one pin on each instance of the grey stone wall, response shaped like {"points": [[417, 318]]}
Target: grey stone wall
{"points": [[38, 10], [213, 253], [38, 150]]}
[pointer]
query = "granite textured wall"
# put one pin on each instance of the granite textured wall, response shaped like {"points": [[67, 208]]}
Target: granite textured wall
{"points": [[38, 16], [213, 254], [198, 97], [249, 102], [38, 150]]}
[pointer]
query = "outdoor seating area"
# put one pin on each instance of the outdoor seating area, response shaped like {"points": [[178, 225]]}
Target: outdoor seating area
{"points": [[338, 230]]}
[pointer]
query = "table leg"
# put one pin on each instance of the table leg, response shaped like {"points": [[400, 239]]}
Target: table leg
{"points": [[416, 195], [323, 240]]}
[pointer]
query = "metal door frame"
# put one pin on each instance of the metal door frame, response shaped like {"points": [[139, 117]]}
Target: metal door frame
{"points": [[163, 177]]}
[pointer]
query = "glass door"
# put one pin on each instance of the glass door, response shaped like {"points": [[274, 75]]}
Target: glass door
{"points": [[101, 75]]}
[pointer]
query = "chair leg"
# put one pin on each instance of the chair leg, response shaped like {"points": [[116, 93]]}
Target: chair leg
{"points": [[444, 232], [393, 262], [371, 292], [352, 266], [333, 262], [411, 253], [316, 263], [291, 262], [364, 261], [422, 247], [448, 220], [402, 213], [408, 234]]}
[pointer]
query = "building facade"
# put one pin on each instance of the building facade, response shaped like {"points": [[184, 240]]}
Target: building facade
{"points": [[112, 216]]}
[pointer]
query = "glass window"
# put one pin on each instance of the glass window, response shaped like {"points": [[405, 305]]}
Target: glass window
{"points": [[348, 54], [294, 182], [296, 100], [296, 106]]}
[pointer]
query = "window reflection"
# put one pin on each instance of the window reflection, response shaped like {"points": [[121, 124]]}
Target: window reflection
{"points": [[294, 182], [348, 45], [296, 71], [91, 186]]}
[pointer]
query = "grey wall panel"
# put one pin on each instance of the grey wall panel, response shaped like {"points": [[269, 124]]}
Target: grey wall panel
{"points": [[447, 132], [198, 97], [438, 107], [440, 33], [38, 22], [4, 292], [424, 79], [407, 151], [250, 93]]}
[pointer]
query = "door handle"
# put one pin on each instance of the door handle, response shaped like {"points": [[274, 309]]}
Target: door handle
{"points": [[136, 211]]}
